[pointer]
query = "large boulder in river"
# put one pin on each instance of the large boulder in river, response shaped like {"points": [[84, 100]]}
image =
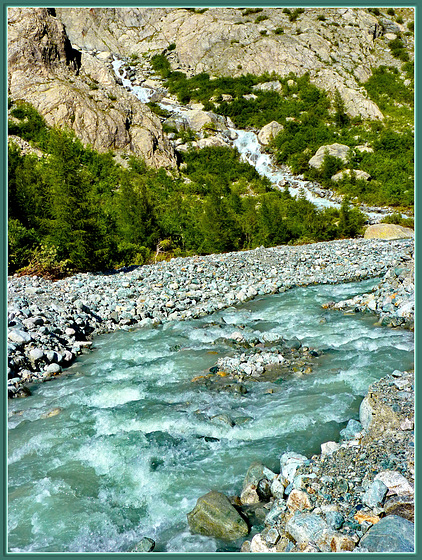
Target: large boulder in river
{"points": [[268, 132], [340, 151], [388, 231], [214, 516]]}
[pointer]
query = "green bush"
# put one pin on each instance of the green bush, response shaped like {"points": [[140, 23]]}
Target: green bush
{"points": [[250, 11], [32, 126], [397, 219], [398, 49]]}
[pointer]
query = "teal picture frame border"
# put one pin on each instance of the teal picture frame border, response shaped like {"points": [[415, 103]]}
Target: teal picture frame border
{"points": [[417, 5]]}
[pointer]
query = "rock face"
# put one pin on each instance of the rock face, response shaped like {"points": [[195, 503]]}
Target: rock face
{"points": [[337, 46], [214, 516], [76, 90], [340, 151], [388, 231]]}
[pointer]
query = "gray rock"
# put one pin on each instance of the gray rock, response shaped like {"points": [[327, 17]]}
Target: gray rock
{"points": [[390, 534], [375, 494], [53, 368], [366, 412], [214, 516], [289, 462], [144, 545], [403, 506], [353, 427], [340, 151], [19, 336], [334, 519], [36, 354], [305, 527]]}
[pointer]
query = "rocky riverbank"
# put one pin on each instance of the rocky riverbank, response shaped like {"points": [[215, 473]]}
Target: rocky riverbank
{"points": [[51, 323], [358, 494]]}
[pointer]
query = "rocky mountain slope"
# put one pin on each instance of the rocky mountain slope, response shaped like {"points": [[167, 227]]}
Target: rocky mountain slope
{"points": [[75, 90], [51, 62]]}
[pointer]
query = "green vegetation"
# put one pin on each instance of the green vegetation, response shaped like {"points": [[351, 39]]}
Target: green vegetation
{"points": [[249, 11], [397, 219], [293, 15], [75, 209], [398, 49], [260, 18], [279, 31]]}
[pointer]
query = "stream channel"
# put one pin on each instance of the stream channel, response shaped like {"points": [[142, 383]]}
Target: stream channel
{"points": [[123, 443]]}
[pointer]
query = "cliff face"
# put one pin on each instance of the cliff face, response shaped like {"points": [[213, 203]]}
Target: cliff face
{"points": [[75, 90], [50, 64], [338, 47]]}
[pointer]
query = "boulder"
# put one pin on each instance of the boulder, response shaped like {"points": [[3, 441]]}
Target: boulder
{"points": [[289, 462], [375, 494], [348, 172], [388, 231], [298, 500], [340, 151], [196, 120], [395, 482], [212, 141], [306, 527], [144, 545], [329, 447], [214, 516], [253, 476], [390, 534], [403, 506], [268, 132], [269, 86], [353, 427]]}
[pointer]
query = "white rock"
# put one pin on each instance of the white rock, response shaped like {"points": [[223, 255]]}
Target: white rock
{"points": [[395, 482], [329, 447]]}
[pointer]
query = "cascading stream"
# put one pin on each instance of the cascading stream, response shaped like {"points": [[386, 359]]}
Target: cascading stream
{"points": [[123, 444], [251, 151]]}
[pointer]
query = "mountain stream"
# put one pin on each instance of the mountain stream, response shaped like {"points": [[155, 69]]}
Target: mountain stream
{"points": [[124, 442]]}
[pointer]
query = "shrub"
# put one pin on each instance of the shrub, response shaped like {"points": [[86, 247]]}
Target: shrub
{"points": [[396, 218], [398, 49], [279, 31], [250, 11], [160, 64]]}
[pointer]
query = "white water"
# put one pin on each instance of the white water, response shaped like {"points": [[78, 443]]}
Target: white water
{"points": [[143, 94], [130, 448], [250, 150]]}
